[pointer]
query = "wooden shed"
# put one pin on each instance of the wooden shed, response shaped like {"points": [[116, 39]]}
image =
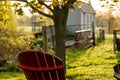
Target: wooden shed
{"points": [[81, 19], [81, 23]]}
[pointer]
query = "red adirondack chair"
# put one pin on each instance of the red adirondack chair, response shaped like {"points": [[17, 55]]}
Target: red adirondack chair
{"points": [[38, 65]]}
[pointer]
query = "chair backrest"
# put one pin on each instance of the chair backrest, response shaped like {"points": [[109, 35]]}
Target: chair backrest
{"points": [[38, 65]]}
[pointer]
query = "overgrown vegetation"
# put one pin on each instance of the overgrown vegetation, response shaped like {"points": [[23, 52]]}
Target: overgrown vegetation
{"points": [[34, 43], [11, 40], [94, 63]]}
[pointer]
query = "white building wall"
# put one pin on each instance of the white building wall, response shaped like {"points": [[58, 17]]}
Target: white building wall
{"points": [[74, 16], [83, 21], [87, 21], [74, 20], [78, 20]]}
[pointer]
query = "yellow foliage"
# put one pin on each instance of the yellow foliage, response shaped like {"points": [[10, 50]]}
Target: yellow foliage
{"points": [[38, 5], [79, 4], [54, 3], [5, 17], [71, 7]]}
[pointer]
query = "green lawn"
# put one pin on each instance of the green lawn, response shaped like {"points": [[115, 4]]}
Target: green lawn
{"points": [[94, 63], [11, 76]]}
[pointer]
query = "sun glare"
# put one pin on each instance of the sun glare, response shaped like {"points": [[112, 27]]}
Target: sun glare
{"points": [[97, 5]]}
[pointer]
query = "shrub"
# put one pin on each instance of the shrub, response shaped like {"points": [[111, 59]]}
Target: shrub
{"points": [[11, 41], [34, 43], [13, 68]]}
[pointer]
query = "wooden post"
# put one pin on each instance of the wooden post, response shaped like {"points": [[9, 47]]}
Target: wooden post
{"points": [[102, 34], [45, 39], [109, 27], [93, 33], [33, 27], [114, 41], [52, 36]]}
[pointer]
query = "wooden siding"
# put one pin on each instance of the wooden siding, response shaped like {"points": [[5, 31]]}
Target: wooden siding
{"points": [[79, 20], [74, 17]]}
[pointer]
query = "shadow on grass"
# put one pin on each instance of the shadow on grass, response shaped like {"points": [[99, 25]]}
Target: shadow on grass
{"points": [[73, 55], [94, 63], [89, 51], [118, 56]]}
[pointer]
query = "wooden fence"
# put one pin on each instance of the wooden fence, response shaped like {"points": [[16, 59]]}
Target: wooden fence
{"points": [[84, 39]]}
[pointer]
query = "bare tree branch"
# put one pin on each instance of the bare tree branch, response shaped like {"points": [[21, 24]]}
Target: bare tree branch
{"points": [[19, 0], [40, 12], [71, 1], [45, 5]]}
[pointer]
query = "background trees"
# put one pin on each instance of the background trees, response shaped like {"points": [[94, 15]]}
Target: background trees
{"points": [[109, 19]]}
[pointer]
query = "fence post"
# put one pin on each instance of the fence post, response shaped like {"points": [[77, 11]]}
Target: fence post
{"points": [[109, 27], [93, 32], [52, 36], [45, 38], [114, 40]]}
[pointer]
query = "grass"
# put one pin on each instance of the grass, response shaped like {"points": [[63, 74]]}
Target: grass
{"points": [[94, 63], [12, 76]]}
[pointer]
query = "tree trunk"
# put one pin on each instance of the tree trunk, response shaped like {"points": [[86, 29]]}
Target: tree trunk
{"points": [[60, 20]]}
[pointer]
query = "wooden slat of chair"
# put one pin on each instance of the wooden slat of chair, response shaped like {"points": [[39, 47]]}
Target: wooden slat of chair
{"points": [[29, 59], [56, 62], [39, 65], [50, 62]]}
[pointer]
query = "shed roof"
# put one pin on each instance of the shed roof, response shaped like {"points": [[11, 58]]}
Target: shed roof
{"points": [[87, 8]]}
